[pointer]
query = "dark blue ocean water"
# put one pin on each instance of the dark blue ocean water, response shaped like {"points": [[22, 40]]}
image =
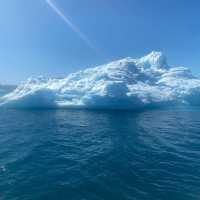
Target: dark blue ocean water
{"points": [[100, 155]]}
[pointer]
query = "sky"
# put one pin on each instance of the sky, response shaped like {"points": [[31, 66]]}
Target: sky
{"points": [[56, 37]]}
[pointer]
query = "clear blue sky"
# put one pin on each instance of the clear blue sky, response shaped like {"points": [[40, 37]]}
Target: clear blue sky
{"points": [[35, 40]]}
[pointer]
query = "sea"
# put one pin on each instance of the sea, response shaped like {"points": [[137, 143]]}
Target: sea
{"points": [[66, 154]]}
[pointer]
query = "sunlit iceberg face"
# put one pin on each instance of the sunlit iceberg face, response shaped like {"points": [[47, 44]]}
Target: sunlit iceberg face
{"points": [[124, 84]]}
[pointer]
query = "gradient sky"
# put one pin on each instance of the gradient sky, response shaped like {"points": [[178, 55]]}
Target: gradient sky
{"points": [[36, 39]]}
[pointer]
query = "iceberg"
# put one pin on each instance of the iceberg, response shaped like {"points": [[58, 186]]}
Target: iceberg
{"points": [[123, 84]]}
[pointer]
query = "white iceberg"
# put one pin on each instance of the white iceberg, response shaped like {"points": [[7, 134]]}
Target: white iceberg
{"points": [[124, 84]]}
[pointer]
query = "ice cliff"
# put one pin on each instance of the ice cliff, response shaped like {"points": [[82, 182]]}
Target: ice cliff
{"points": [[123, 84]]}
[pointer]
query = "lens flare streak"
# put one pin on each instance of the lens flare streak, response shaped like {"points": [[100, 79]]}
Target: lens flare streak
{"points": [[70, 24]]}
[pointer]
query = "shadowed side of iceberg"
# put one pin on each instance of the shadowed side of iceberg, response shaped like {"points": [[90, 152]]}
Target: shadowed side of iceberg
{"points": [[38, 99]]}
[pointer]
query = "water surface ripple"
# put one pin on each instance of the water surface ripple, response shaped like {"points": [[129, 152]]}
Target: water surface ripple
{"points": [[100, 155]]}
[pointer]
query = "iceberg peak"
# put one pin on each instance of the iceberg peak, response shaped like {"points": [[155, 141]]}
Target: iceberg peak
{"points": [[155, 59]]}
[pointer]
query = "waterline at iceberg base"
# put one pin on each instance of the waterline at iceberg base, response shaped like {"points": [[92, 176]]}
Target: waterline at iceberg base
{"points": [[123, 84]]}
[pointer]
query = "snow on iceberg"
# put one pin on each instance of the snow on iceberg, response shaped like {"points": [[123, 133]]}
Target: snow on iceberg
{"points": [[124, 84]]}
